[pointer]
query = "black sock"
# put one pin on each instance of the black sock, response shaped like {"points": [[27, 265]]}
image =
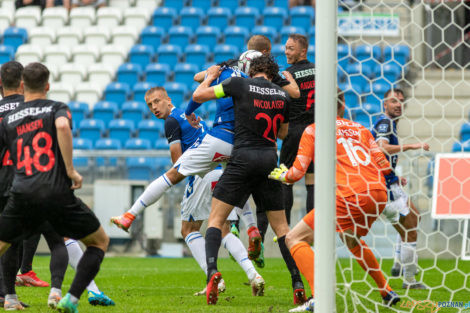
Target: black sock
{"points": [[263, 223], [30, 246], [10, 268], [288, 198], [87, 269], [213, 240], [59, 257], [294, 271], [310, 203]]}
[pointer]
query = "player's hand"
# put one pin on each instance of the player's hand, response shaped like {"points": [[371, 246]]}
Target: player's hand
{"points": [[403, 181], [76, 178], [279, 173], [193, 121], [425, 146], [288, 75], [213, 72]]}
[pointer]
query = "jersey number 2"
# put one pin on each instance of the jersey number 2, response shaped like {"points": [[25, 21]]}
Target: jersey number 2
{"points": [[38, 151], [272, 123]]}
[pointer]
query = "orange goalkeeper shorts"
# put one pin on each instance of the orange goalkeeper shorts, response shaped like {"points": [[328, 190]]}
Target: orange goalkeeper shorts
{"points": [[356, 212]]}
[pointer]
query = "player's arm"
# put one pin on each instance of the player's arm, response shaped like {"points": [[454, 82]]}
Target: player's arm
{"points": [[377, 153], [175, 151], [199, 77], [64, 138], [394, 149], [282, 133], [292, 88], [204, 92], [231, 87], [173, 135]]}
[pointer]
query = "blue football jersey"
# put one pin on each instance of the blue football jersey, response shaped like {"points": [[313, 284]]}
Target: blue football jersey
{"points": [[178, 129]]}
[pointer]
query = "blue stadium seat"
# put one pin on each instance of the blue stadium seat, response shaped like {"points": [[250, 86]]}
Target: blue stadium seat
{"points": [[391, 71], [105, 111], [232, 5], [267, 31], [311, 53], [208, 35], [140, 89], [225, 52], [176, 92], [164, 17], [196, 54], [141, 54], [140, 168], [357, 73], [281, 4], [368, 54], [180, 36], [168, 54], [398, 53], [107, 144], [302, 16], [129, 73], [236, 36], [91, 129], [134, 111], [259, 4], [79, 110], [311, 35], [278, 52], [246, 17], [138, 144], [191, 17], [463, 146], [344, 55], [204, 5], [184, 73], [152, 36], [82, 144], [121, 129], [117, 92], [150, 129], [175, 4], [373, 109], [378, 93], [351, 94], [157, 73], [287, 30], [14, 37], [363, 118], [163, 164], [274, 17], [219, 17], [161, 144], [7, 54], [465, 132]]}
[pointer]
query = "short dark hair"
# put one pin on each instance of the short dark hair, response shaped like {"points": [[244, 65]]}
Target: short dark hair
{"points": [[394, 90], [10, 74], [301, 39], [259, 43], [264, 64], [35, 77]]}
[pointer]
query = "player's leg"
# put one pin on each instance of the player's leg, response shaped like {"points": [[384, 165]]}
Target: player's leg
{"points": [[10, 264], [28, 249], [254, 234], [309, 185], [195, 241]]}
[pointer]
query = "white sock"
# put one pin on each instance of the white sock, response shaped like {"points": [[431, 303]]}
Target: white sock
{"points": [[152, 193], [409, 260], [11, 297], [397, 254], [55, 290], [246, 215], [197, 244], [238, 251], [75, 254]]}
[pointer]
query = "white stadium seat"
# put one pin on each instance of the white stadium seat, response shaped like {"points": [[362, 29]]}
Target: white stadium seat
{"points": [[85, 54], [42, 36], [96, 36], [100, 74], [88, 92], [148, 4], [137, 17], [55, 17], [125, 36], [113, 55], [56, 54], [54, 71], [8, 4], [69, 36], [61, 92], [109, 17], [28, 17], [72, 73], [123, 4], [28, 53], [82, 17], [6, 18]]}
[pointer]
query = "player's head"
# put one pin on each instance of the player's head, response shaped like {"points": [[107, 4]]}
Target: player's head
{"points": [[393, 102], [341, 104], [36, 78], [10, 75], [259, 43], [264, 64], [296, 48], [158, 102]]}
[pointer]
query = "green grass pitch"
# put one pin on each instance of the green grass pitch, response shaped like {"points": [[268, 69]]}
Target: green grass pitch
{"points": [[167, 285]]}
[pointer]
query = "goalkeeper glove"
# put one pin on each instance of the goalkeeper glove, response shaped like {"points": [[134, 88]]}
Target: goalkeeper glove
{"points": [[279, 173]]}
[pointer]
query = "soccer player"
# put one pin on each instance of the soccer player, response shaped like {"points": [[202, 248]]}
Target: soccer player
{"points": [[260, 109], [38, 135], [360, 198], [400, 211]]}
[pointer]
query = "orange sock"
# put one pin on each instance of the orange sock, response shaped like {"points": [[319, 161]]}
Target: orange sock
{"points": [[368, 262], [304, 258]]}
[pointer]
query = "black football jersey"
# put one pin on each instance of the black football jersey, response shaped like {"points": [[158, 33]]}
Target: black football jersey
{"points": [[30, 134], [302, 110]]}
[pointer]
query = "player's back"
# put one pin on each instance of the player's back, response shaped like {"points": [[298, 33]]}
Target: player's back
{"points": [[189, 134], [302, 109]]}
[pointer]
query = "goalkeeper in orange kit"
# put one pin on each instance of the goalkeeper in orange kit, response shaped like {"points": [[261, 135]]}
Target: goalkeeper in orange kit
{"points": [[360, 198]]}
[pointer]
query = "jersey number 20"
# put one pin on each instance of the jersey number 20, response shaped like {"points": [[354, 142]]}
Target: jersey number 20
{"points": [[271, 124], [38, 151]]}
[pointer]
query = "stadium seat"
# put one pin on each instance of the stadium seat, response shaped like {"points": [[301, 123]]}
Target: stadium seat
{"points": [[246, 17], [79, 111], [134, 111], [191, 17], [363, 118], [55, 17], [113, 55], [96, 36], [236, 36], [258, 4], [219, 17], [278, 52], [157, 73], [368, 54], [311, 53], [140, 89], [129, 73], [184, 73], [82, 17], [91, 129], [175, 4], [150, 129], [267, 31], [42, 36], [351, 94], [287, 30], [180, 36], [225, 52], [281, 3], [108, 17], [302, 16], [311, 35], [163, 164], [274, 17], [72, 73], [122, 4], [27, 17], [6, 19], [137, 17], [69, 36], [140, 168], [168, 54], [148, 4], [398, 53], [117, 92], [161, 144], [196, 54], [391, 71], [125, 36], [14, 37], [28, 53], [465, 132], [344, 54], [141, 55], [85, 54], [463, 146], [164, 17], [121, 129], [56, 54], [7, 53], [105, 111], [8, 5], [204, 5], [138, 144], [372, 109], [232, 5], [53, 71], [61, 92], [82, 144], [100, 74], [88, 92], [207, 35], [378, 93], [152, 36], [176, 92], [107, 144]]}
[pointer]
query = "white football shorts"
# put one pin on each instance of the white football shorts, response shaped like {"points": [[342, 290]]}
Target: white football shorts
{"points": [[398, 207]]}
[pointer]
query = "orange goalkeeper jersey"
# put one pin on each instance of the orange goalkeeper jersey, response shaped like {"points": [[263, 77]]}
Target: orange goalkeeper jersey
{"points": [[360, 164]]}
